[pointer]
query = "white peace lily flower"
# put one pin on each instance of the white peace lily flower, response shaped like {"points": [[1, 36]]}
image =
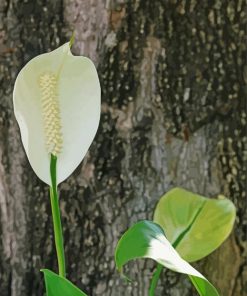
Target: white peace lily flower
{"points": [[57, 106]]}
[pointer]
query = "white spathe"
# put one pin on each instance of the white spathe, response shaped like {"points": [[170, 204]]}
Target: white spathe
{"points": [[78, 94]]}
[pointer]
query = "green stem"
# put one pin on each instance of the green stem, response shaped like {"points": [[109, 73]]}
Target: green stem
{"points": [[155, 280], [57, 225]]}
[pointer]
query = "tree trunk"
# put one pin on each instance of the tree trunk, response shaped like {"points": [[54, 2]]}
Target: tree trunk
{"points": [[173, 114]]}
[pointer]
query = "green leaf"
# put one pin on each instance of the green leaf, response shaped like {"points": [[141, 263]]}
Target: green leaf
{"points": [[56, 285], [147, 240], [195, 225]]}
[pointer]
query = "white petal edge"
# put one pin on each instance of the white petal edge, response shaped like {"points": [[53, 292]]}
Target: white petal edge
{"points": [[80, 124]]}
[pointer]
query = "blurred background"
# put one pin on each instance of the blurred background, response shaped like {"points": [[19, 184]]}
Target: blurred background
{"points": [[173, 80]]}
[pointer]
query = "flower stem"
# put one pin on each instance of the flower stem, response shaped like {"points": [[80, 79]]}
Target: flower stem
{"points": [[57, 225], [155, 279]]}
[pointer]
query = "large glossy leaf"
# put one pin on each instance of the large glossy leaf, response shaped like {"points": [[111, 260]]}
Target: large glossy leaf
{"points": [[147, 240], [194, 225], [58, 286]]}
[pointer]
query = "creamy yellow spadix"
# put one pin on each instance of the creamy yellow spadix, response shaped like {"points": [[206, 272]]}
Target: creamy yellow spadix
{"points": [[48, 83], [57, 106]]}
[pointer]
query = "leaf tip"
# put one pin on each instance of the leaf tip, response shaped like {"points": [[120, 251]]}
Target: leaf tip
{"points": [[72, 39]]}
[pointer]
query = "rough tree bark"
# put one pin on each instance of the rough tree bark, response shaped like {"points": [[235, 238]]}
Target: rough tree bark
{"points": [[173, 114]]}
